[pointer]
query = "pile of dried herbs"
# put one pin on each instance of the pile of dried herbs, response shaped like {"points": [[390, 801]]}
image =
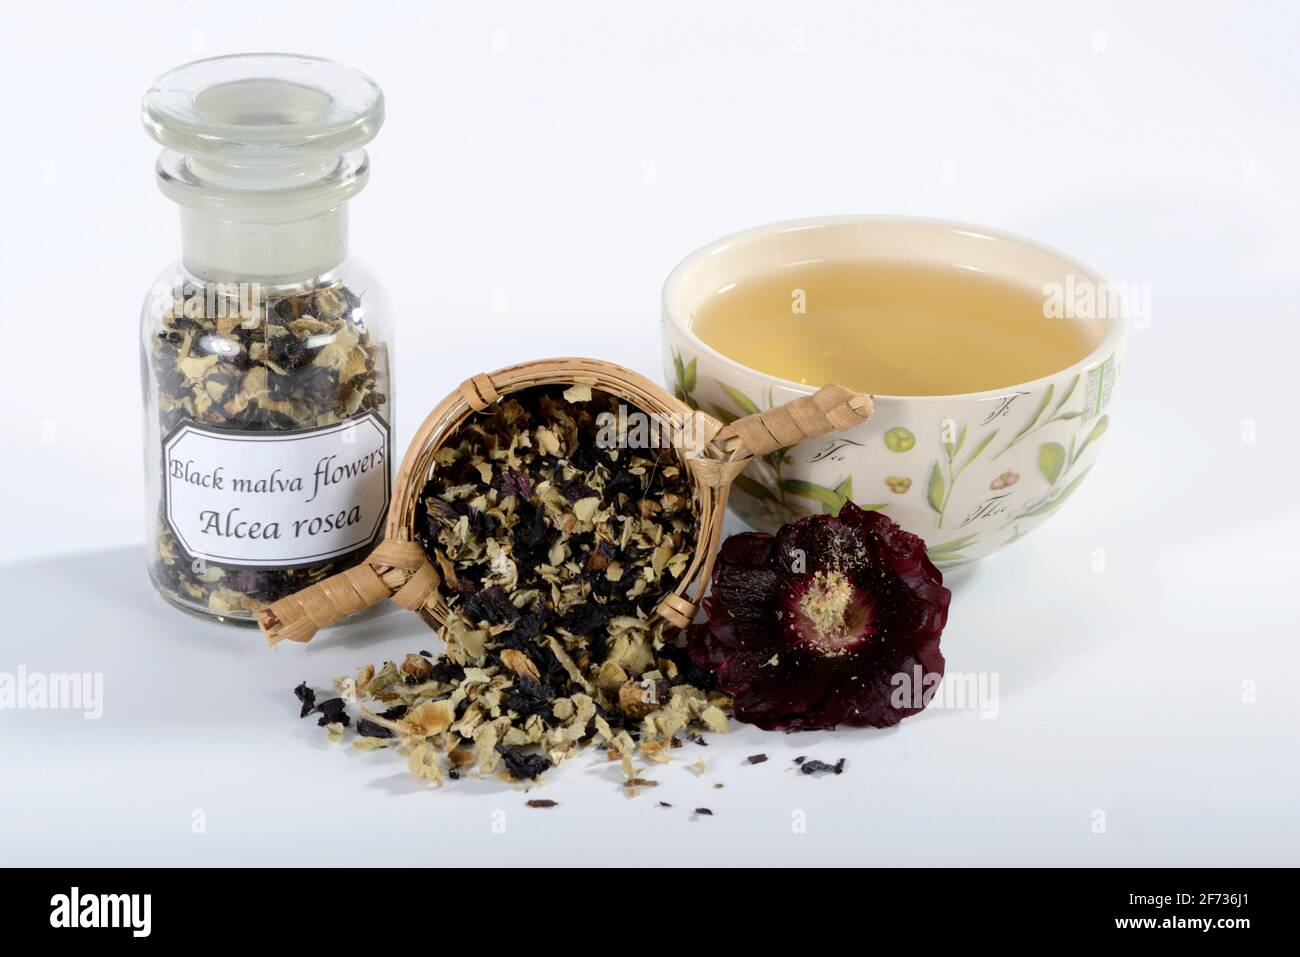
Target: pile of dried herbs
{"points": [[290, 361], [555, 541]]}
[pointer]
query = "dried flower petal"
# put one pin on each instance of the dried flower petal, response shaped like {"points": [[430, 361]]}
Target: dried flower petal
{"points": [[815, 767], [429, 718], [333, 711], [417, 668], [809, 627], [307, 697], [424, 764], [370, 729], [521, 765]]}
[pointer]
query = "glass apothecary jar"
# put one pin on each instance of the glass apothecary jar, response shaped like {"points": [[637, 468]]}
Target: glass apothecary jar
{"points": [[266, 349]]}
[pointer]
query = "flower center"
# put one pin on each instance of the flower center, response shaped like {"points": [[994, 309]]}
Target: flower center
{"points": [[835, 621]]}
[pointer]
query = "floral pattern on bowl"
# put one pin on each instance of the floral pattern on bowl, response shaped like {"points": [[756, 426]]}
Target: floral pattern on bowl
{"points": [[968, 474]]}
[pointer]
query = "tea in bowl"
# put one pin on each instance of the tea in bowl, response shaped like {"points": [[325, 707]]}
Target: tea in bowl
{"points": [[992, 361]]}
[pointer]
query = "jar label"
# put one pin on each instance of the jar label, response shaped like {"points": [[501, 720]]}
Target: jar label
{"points": [[285, 498]]}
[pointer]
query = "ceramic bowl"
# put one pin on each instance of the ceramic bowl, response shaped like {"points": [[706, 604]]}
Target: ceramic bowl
{"points": [[968, 473]]}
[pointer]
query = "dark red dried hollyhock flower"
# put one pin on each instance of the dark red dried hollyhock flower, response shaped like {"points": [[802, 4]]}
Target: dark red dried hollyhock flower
{"points": [[808, 627]]}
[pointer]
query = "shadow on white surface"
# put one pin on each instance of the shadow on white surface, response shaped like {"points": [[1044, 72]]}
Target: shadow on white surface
{"points": [[111, 586]]}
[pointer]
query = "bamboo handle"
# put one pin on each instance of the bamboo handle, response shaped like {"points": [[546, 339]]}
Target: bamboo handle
{"points": [[831, 408], [396, 570]]}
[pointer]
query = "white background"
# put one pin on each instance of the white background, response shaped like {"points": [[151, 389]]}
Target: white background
{"points": [[564, 156]]}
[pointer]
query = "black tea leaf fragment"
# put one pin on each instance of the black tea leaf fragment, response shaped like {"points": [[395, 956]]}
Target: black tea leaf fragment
{"points": [[522, 765], [307, 698], [815, 767], [369, 729], [332, 711]]}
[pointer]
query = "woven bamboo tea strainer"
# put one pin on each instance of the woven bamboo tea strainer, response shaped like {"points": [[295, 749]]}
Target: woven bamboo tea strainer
{"points": [[398, 568]]}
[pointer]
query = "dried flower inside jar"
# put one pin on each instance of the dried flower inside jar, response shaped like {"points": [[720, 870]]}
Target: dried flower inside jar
{"points": [[303, 363]]}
